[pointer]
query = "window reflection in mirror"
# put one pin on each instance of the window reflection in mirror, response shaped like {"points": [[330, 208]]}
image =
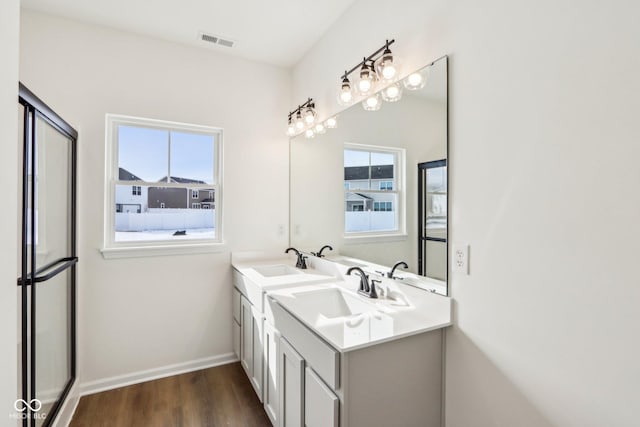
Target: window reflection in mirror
{"points": [[356, 187]]}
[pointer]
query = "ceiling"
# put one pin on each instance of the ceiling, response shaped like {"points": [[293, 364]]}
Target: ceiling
{"points": [[277, 32]]}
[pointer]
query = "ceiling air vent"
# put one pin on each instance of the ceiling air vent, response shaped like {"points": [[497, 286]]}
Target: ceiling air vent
{"points": [[210, 38]]}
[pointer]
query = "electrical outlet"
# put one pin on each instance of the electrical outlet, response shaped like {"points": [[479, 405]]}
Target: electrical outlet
{"points": [[461, 258]]}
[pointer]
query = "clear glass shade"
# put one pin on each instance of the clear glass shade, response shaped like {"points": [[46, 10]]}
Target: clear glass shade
{"points": [[331, 123], [319, 128], [291, 129], [388, 67], [309, 133], [416, 80], [392, 93], [309, 116], [345, 96], [372, 103], [367, 81]]}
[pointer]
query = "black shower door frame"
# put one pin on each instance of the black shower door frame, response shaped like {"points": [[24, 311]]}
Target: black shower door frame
{"points": [[36, 108]]}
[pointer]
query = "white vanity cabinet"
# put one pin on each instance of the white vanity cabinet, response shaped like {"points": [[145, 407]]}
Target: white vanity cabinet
{"points": [[398, 382]]}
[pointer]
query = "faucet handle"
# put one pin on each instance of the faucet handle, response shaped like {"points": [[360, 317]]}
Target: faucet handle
{"points": [[372, 288]]}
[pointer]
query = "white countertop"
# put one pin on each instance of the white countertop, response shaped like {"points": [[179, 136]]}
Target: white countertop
{"points": [[411, 311], [247, 269]]}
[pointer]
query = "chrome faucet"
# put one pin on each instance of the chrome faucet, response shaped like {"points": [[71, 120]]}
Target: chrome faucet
{"points": [[319, 253], [367, 289], [397, 264], [301, 263]]}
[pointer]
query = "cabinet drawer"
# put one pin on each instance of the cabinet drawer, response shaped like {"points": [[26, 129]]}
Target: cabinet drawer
{"points": [[324, 359]]}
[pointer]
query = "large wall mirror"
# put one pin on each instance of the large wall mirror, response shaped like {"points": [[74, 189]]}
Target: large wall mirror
{"points": [[375, 187]]}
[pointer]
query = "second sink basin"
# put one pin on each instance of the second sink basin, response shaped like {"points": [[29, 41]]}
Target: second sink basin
{"points": [[331, 303], [276, 270]]}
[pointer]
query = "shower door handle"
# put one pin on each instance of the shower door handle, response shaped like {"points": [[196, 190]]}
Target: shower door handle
{"points": [[62, 263]]}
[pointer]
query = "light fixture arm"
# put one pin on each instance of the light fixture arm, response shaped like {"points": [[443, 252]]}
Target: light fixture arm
{"points": [[308, 103], [371, 58]]}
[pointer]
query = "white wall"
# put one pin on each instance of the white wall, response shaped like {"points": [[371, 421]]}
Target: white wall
{"points": [[145, 313], [544, 150], [9, 175]]}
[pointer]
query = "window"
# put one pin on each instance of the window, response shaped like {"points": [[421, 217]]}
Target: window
{"points": [[382, 206], [166, 161], [373, 190], [386, 185]]}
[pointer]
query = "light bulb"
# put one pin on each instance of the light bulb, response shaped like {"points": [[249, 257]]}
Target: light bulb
{"points": [[331, 123], [309, 133], [299, 122], [367, 79], [319, 129], [345, 96], [309, 116], [392, 93], [291, 129], [372, 103], [387, 65], [415, 81]]}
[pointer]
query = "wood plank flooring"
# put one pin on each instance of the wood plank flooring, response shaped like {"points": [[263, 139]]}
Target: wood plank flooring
{"points": [[220, 396]]}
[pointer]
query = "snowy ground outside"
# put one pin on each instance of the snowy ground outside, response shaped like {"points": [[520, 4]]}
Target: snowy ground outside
{"points": [[139, 236]]}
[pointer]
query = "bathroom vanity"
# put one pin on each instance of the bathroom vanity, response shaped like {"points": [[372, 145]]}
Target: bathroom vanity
{"points": [[319, 354]]}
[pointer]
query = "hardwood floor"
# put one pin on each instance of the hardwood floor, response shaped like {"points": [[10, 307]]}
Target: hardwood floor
{"points": [[220, 396]]}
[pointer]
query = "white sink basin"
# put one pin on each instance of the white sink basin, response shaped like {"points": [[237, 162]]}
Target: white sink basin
{"points": [[276, 270], [331, 303]]}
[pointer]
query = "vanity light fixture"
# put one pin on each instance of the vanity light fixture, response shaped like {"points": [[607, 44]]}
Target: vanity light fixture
{"points": [[319, 128], [380, 66], [309, 133], [301, 118]]}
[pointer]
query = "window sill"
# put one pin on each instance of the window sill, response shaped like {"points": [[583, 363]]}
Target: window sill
{"points": [[374, 238], [161, 250]]}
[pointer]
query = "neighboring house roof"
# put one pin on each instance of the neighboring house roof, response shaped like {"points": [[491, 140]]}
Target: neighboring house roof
{"points": [[362, 172], [125, 175], [179, 180], [357, 196], [207, 200]]}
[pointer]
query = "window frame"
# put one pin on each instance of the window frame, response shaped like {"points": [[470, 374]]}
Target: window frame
{"points": [[114, 249], [399, 183]]}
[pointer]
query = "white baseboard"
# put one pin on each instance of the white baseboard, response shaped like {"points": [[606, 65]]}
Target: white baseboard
{"points": [[155, 373]]}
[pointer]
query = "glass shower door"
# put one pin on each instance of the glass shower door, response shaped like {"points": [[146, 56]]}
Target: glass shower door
{"points": [[48, 261]]}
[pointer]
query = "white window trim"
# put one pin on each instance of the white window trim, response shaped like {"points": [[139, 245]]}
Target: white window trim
{"points": [[401, 207], [113, 249]]}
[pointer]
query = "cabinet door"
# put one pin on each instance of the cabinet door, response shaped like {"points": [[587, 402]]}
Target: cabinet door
{"points": [[236, 338], [246, 336], [291, 382], [257, 358], [320, 402], [270, 383]]}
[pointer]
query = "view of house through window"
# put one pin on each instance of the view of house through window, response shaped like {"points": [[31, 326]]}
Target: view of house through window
{"points": [[166, 182], [371, 189]]}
